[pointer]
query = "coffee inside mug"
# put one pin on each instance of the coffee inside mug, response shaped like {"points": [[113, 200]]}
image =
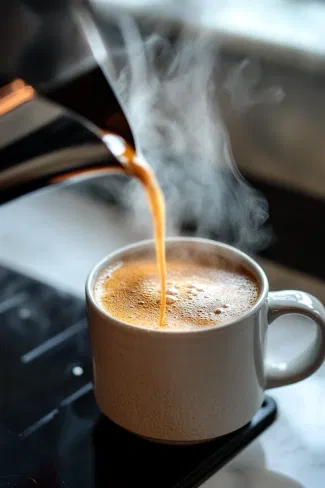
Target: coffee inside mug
{"points": [[205, 287]]}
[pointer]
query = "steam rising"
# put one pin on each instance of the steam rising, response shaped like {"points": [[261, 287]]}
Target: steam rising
{"points": [[169, 93]]}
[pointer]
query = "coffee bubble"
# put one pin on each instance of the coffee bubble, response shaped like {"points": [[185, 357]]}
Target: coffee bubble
{"points": [[170, 299]]}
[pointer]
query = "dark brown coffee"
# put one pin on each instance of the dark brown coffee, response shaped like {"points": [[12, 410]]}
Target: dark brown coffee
{"points": [[198, 295]]}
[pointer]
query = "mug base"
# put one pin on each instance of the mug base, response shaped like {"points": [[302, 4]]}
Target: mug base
{"points": [[179, 442], [175, 443], [191, 442]]}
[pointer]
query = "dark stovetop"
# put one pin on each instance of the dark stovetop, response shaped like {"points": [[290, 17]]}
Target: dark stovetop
{"points": [[51, 432]]}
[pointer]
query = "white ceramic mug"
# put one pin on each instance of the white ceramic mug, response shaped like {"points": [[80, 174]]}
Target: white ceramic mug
{"points": [[191, 386]]}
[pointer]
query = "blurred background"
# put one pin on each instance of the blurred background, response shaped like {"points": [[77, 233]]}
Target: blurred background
{"points": [[267, 84]]}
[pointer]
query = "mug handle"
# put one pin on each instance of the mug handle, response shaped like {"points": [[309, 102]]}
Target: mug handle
{"points": [[296, 302]]}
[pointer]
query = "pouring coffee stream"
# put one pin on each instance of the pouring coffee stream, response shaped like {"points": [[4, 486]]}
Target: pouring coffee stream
{"points": [[139, 168]]}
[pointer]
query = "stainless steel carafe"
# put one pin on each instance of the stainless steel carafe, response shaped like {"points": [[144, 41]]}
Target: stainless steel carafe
{"points": [[49, 46]]}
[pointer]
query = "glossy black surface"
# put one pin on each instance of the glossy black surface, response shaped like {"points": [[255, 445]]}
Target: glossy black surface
{"points": [[51, 432]]}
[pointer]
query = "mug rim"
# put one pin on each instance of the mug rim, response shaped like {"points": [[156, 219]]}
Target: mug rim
{"points": [[260, 274]]}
